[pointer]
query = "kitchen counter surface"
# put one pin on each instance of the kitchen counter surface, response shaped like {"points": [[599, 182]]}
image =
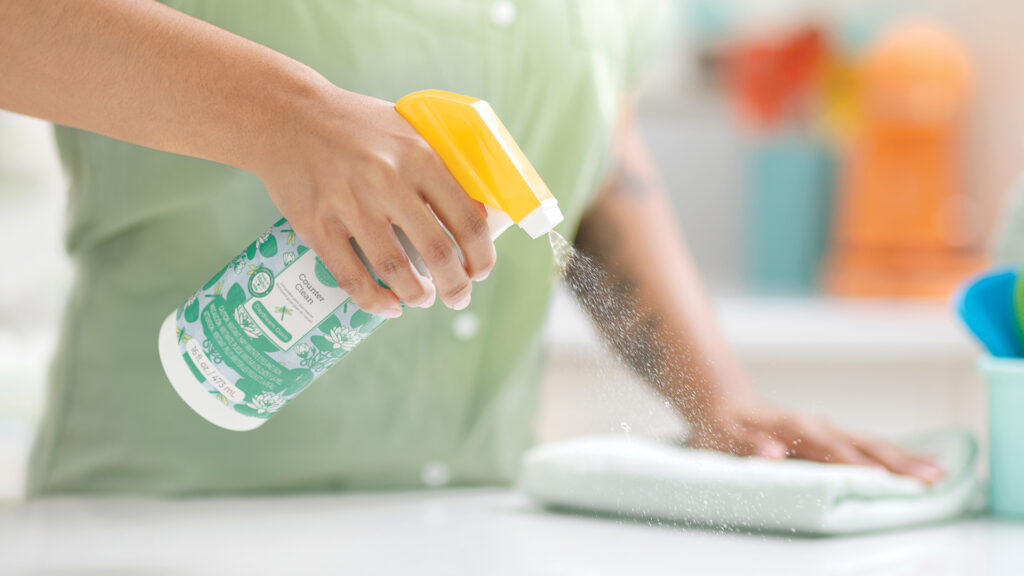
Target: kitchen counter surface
{"points": [[473, 532]]}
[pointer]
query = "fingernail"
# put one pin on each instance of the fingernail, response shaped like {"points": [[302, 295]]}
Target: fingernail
{"points": [[772, 451], [928, 473], [425, 302], [392, 313], [461, 303], [481, 276]]}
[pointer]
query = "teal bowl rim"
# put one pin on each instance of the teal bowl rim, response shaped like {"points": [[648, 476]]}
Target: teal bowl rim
{"points": [[989, 364]]}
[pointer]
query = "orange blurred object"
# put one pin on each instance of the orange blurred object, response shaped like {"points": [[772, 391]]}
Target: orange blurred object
{"points": [[905, 225]]}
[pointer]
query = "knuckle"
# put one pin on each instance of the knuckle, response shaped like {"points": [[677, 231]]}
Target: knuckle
{"points": [[441, 251], [458, 291], [422, 148], [354, 285], [332, 230], [378, 172], [388, 266], [416, 153], [475, 226]]}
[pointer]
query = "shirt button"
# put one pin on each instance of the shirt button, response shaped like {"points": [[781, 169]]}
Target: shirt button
{"points": [[435, 474], [503, 13], [466, 325]]}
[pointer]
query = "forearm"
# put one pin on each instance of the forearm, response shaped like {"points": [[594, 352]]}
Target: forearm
{"points": [[652, 304], [139, 71]]}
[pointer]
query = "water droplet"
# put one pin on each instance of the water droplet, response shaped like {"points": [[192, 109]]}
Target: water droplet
{"points": [[625, 426]]}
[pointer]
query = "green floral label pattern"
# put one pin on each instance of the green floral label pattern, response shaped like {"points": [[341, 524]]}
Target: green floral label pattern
{"points": [[269, 327]]}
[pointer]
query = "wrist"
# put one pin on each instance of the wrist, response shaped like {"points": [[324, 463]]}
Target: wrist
{"points": [[286, 109]]}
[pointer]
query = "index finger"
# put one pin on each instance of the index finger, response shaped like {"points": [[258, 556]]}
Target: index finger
{"points": [[465, 219], [900, 461]]}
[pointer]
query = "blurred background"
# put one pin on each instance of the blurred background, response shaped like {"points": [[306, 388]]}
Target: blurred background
{"points": [[837, 166]]}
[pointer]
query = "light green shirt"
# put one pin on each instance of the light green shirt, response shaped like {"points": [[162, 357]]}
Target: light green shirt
{"points": [[438, 393]]}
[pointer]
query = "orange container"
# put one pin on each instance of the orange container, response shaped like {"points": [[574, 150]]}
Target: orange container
{"points": [[905, 225]]}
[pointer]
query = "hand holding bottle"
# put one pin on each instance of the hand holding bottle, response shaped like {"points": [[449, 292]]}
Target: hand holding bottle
{"points": [[353, 169]]}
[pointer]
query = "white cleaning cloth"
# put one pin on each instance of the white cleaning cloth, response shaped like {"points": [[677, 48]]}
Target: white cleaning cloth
{"points": [[657, 481]]}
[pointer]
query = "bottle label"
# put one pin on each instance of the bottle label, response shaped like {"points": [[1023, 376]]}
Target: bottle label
{"points": [[268, 324]]}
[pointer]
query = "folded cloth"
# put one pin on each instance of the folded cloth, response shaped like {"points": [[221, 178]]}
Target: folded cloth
{"points": [[665, 482]]}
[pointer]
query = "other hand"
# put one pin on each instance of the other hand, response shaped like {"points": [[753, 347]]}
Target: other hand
{"points": [[752, 429]]}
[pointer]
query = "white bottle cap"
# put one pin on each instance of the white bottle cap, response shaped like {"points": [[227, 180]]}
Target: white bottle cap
{"points": [[543, 218]]}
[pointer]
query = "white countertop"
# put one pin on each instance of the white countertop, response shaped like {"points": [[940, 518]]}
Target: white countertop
{"points": [[479, 532]]}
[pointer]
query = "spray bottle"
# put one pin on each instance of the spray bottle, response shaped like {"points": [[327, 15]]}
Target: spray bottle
{"points": [[273, 320]]}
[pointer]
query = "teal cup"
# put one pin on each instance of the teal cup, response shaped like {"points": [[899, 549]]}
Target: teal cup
{"points": [[787, 202], [1006, 435]]}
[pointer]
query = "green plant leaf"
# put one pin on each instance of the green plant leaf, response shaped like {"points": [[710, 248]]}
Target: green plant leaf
{"points": [[366, 322], [297, 379], [324, 275], [268, 247], [359, 318], [244, 409], [235, 298], [262, 344], [250, 387], [322, 343], [329, 323], [192, 311]]}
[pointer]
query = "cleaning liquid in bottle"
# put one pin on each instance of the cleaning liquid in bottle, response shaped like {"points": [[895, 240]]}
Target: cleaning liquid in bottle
{"points": [[273, 319]]}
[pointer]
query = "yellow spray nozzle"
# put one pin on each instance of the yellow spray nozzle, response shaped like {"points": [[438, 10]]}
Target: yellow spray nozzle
{"points": [[484, 159]]}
